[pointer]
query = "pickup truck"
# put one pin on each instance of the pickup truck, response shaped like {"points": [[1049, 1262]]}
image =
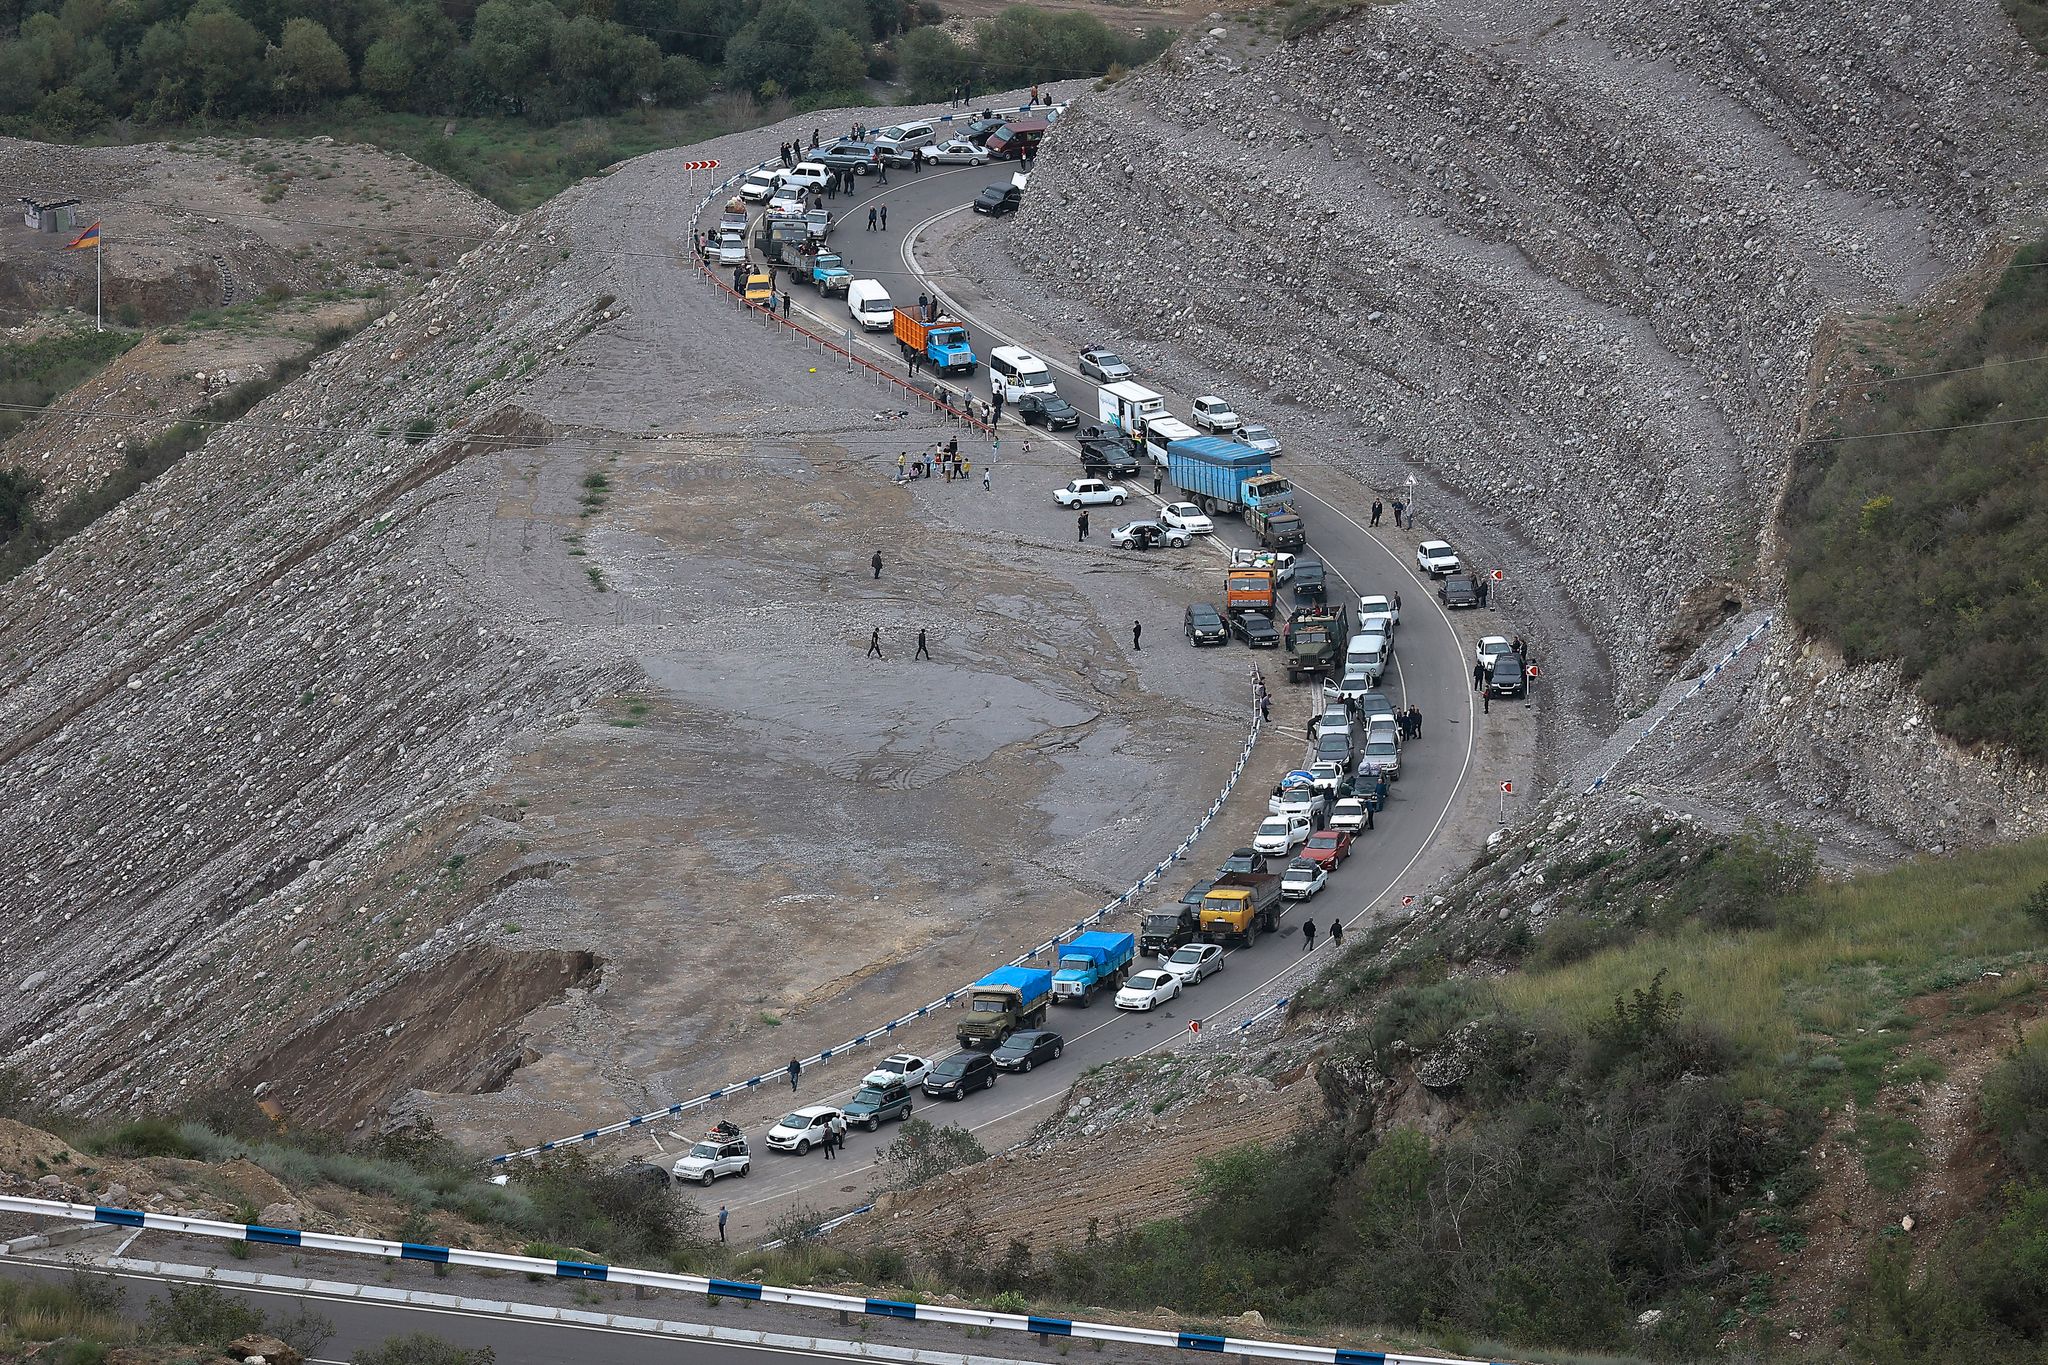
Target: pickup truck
{"points": [[829, 275], [1277, 528], [1168, 928], [944, 342], [1239, 906], [1090, 962], [1007, 999]]}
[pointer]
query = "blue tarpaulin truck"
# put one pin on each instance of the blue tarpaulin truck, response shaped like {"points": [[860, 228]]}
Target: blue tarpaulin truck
{"points": [[1224, 476], [1093, 961], [1007, 999]]}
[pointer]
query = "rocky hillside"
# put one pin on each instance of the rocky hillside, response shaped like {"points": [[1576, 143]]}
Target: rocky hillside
{"points": [[1567, 268]]}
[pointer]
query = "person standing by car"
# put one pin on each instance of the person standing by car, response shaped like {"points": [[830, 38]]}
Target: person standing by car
{"points": [[838, 1128]]}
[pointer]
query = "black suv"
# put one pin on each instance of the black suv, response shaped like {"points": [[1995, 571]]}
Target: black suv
{"points": [[958, 1074], [873, 1103], [1460, 590], [1022, 1051], [998, 199], [1048, 410], [1111, 453], [1205, 625], [1508, 678]]}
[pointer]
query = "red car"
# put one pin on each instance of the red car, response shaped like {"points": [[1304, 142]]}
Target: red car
{"points": [[1330, 847]]}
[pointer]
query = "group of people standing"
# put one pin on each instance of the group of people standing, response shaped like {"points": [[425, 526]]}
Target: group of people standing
{"points": [[1400, 513]]}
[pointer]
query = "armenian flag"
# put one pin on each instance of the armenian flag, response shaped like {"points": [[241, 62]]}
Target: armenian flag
{"points": [[88, 238]]}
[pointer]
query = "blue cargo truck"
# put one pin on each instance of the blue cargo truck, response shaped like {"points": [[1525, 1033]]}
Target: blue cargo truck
{"points": [[1007, 999], [1224, 476], [1093, 961]]}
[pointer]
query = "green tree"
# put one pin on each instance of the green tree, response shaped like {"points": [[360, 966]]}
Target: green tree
{"points": [[776, 47], [306, 65], [933, 63], [510, 45], [19, 490], [599, 66], [156, 76], [410, 63], [223, 57], [837, 63]]}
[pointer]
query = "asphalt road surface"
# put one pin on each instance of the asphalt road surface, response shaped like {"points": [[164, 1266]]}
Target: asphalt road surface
{"points": [[359, 1325], [1432, 669]]}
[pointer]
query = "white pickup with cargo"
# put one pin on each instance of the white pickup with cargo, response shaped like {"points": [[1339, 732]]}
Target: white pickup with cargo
{"points": [[870, 305], [1128, 407]]}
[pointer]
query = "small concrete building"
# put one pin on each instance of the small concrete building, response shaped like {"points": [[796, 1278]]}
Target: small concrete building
{"points": [[59, 216]]}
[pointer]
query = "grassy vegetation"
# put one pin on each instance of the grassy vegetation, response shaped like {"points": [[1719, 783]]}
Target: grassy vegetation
{"points": [[34, 372], [1620, 1101], [37, 531], [1931, 549], [2031, 18]]}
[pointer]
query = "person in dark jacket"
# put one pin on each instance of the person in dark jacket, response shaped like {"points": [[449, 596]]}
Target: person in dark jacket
{"points": [[1308, 937], [1337, 933], [796, 1068]]}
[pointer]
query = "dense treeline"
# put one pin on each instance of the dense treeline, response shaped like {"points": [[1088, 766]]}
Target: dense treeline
{"points": [[68, 67]]}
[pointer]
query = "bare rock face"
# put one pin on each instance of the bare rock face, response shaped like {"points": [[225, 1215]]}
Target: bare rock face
{"points": [[258, 1349], [1571, 269]]}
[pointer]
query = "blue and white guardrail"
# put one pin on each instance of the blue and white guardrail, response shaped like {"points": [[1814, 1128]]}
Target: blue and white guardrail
{"points": [[1698, 687], [901, 1309], [882, 1032]]}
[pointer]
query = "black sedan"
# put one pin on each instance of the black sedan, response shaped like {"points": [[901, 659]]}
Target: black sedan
{"points": [[1048, 410], [1022, 1051], [1255, 628], [1205, 625]]}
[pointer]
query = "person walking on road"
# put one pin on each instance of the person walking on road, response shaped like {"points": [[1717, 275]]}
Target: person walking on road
{"points": [[875, 561], [723, 1213], [1308, 937], [1415, 720], [985, 476], [996, 407], [1084, 527], [796, 1068], [1337, 933], [1158, 477], [1375, 512], [871, 217], [1137, 629], [874, 652], [1265, 708], [922, 651], [885, 210], [785, 305], [1479, 677], [831, 1141]]}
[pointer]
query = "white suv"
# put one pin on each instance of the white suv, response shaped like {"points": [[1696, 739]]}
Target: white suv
{"points": [[1436, 558], [712, 1158], [1213, 414]]}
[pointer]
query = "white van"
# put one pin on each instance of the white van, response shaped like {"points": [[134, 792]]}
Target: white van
{"points": [[1161, 432], [870, 305], [1014, 372], [1366, 656]]}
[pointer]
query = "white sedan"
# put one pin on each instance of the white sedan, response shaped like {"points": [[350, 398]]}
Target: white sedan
{"points": [[1280, 835], [1090, 493], [1303, 879], [905, 1067], [1349, 816], [1436, 558], [1148, 990], [1193, 961], [1213, 414], [958, 152], [1187, 517]]}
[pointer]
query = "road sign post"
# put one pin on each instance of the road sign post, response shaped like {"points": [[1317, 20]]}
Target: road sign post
{"points": [[1507, 789]]}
